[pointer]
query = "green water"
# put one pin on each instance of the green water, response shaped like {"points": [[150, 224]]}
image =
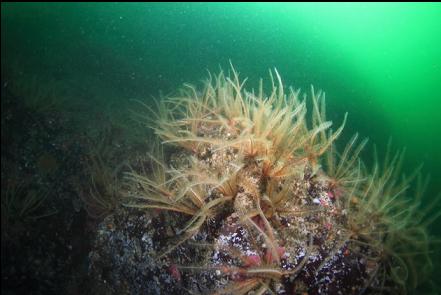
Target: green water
{"points": [[379, 62]]}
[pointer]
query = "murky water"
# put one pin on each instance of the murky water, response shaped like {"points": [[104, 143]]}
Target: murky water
{"points": [[71, 75]]}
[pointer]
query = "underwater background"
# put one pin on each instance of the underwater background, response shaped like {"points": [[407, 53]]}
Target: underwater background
{"points": [[77, 67]]}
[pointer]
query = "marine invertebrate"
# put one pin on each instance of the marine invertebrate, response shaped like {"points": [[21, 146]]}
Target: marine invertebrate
{"points": [[246, 175], [387, 221], [22, 201], [101, 196]]}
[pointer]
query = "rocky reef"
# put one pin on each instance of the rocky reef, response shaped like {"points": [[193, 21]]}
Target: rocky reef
{"points": [[246, 193]]}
